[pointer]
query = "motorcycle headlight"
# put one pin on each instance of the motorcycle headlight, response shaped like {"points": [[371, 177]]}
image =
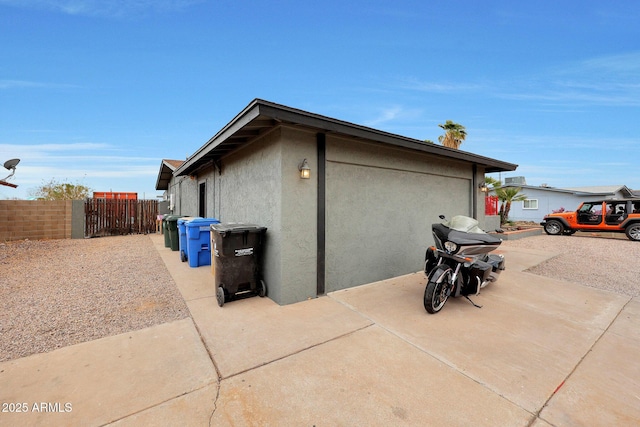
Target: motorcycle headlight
{"points": [[450, 247]]}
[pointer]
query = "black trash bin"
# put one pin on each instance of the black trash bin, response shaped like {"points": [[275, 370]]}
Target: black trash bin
{"points": [[165, 231], [236, 257], [172, 228]]}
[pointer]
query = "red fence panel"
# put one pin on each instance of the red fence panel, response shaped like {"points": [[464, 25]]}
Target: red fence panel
{"points": [[491, 205]]}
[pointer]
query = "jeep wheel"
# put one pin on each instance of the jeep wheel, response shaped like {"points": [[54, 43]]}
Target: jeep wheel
{"points": [[553, 228], [633, 232]]}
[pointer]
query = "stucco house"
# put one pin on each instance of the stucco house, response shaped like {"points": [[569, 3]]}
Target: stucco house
{"points": [[543, 200], [363, 215], [167, 167]]}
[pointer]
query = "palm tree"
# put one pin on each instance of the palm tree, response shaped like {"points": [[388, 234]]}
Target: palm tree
{"points": [[492, 183], [506, 196], [454, 134]]}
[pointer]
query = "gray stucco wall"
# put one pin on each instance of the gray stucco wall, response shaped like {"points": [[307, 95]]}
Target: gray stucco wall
{"points": [[299, 217], [491, 223], [381, 203], [77, 219], [261, 184], [185, 195], [249, 192]]}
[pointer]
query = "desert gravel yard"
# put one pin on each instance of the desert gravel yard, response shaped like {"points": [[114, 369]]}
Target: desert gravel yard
{"points": [[612, 264], [57, 293]]}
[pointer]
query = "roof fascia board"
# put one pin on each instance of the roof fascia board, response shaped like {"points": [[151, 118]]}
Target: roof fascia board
{"points": [[283, 113], [238, 122], [164, 168], [557, 190], [328, 124]]}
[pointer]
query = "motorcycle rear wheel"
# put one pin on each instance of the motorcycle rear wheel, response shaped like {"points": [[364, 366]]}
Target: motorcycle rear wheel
{"points": [[436, 293]]}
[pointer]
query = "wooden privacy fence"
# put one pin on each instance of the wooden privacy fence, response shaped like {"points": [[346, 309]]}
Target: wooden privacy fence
{"points": [[114, 217]]}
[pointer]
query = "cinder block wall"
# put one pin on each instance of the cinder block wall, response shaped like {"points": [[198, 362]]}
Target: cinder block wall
{"points": [[36, 219]]}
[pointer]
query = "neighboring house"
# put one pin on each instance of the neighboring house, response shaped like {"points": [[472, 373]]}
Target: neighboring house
{"points": [[544, 200], [364, 214], [165, 176]]}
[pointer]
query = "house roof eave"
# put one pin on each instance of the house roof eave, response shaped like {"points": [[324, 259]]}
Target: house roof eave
{"points": [[260, 116], [167, 168], [577, 191]]}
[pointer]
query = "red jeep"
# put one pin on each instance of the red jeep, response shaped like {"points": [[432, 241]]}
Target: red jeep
{"points": [[604, 215]]}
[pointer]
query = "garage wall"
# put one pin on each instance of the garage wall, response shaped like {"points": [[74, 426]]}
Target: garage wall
{"points": [[381, 203], [249, 192], [261, 184], [299, 217]]}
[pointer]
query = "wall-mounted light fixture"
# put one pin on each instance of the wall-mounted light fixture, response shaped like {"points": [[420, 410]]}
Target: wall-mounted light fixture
{"points": [[484, 187], [305, 170]]}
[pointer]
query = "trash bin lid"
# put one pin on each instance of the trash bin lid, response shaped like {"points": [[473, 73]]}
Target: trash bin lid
{"points": [[199, 222], [184, 219], [234, 227]]}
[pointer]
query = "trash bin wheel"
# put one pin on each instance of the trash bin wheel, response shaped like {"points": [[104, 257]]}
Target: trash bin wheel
{"points": [[220, 296], [262, 291], [183, 256]]}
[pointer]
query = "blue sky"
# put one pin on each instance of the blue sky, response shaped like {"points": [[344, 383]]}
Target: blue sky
{"points": [[97, 92]]}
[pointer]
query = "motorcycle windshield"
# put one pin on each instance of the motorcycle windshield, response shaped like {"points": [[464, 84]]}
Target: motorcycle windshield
{"points": [[464, 230], [464, 224]]}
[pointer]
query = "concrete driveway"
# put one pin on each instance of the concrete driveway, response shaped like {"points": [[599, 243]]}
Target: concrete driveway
{"points": [[540, 352]]}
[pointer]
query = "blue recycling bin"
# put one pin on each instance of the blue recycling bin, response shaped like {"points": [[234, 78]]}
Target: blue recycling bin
{"points": [[182, 235], [199, 241]]}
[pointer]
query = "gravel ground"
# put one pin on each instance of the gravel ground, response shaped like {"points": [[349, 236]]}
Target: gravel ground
{"points": [[57, 293], [611, 264]]}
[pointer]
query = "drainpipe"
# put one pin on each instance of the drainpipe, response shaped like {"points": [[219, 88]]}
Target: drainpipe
{"points": [[474, 191], [321, 226]]}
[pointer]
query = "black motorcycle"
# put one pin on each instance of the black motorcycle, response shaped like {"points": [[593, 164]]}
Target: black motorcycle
{"points": [[459, 264]]}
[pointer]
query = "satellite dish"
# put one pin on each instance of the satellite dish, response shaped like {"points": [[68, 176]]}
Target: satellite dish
{"points": [[11, 164]]}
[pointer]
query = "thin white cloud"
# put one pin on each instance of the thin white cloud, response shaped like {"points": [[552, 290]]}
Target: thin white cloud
{"points": [[414, 84], [55, 147], [568, 95], [389, 118], [111, 170], [78, 159], [626, 63], [101, 167], [111, 8], [7, 84], [387, 115], [19, 84], [612, 80]]}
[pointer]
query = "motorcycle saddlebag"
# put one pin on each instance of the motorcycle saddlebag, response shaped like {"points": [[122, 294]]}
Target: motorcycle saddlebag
{"points": [[479, 272], [496, 261], [430, 260]]}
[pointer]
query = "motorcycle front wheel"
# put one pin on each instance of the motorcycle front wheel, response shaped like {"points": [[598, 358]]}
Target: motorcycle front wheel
{"points": [[437, 291]]}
